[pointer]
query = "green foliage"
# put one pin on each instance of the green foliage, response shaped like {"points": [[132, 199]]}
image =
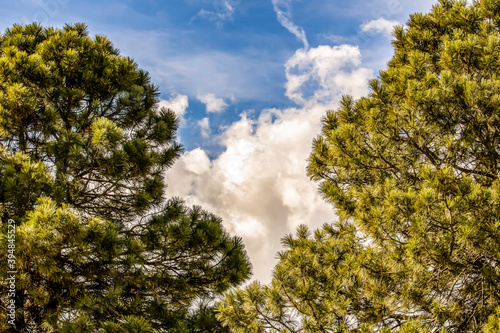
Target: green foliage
{"points": [[493, 324], [73, 103], [315, 287], [203, 320], [83, 151], [21, 184], [414, 168]]}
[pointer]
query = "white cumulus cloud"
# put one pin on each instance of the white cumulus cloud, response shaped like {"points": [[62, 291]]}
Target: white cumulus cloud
{"points": [[380, 25], [204, 127], [258, 185], [212, 103], [325, 73], [178, 104], [196, 161]]}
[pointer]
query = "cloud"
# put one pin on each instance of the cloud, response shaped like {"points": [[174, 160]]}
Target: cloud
{"points": [[205, 127], [212, 103], [336, 39], [177, 103], [325, 73], [196, 161], [224, 11], [258, 185], [246, 77], [380, 25], [284, 16]]}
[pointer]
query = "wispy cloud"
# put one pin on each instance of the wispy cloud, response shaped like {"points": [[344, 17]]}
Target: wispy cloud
{"points": [[284, 15], [221, 73], [224, 11], [212, 103]]}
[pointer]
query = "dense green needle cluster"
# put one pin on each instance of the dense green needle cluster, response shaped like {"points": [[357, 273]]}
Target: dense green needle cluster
{"points": [[413, 173], [315, 287], [83, 151]]}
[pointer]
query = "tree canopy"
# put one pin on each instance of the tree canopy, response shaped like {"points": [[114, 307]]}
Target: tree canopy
{"points": [[89, 114], [83, 151], [412, 171]]}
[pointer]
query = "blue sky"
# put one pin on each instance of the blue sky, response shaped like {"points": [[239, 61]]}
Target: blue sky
{"points": [[251, 80], [234, 49]]}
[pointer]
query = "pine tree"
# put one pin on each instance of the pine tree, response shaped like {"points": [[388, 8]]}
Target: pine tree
{"points": [[83, 151], [315, 287], [414, 168], [89, 114]]}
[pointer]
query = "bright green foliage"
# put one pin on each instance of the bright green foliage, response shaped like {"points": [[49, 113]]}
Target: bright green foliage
{"points": [[83, 151], [22, 183], [73, 103], [414, 167], [493, 324], [315, 287]]}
